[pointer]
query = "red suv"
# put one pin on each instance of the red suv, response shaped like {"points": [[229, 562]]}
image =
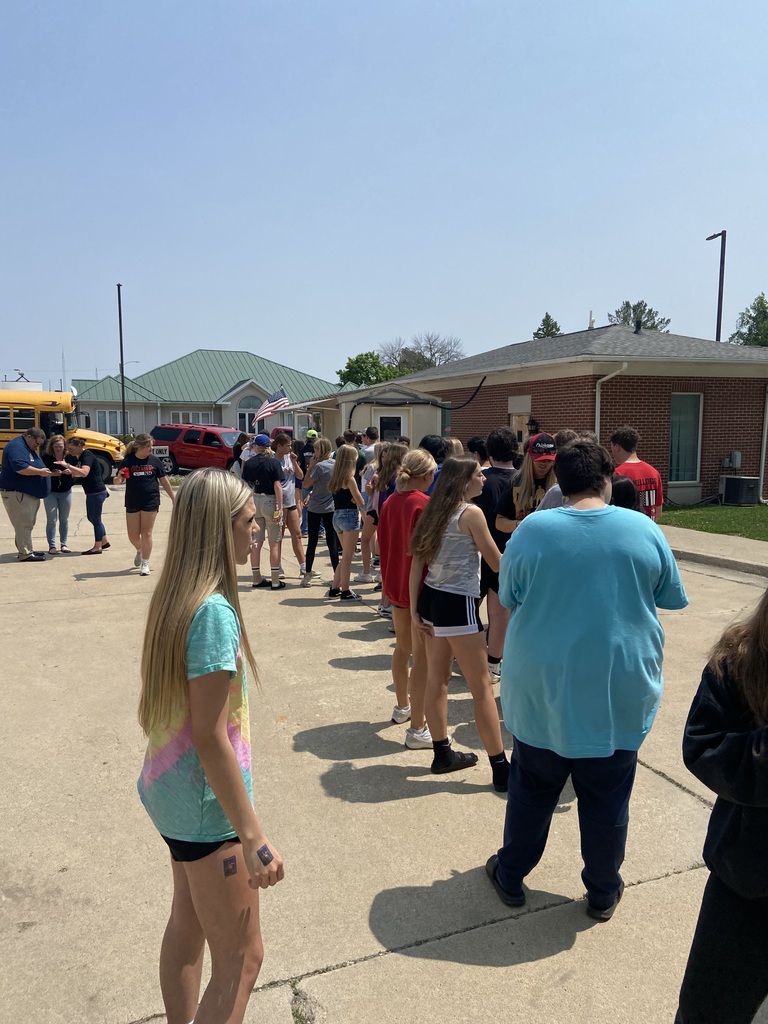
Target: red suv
{"points": [[193, 445]]}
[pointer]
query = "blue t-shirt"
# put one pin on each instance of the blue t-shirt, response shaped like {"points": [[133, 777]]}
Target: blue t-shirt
{"points": [[172, 785], [582, 658], [18, 455]]}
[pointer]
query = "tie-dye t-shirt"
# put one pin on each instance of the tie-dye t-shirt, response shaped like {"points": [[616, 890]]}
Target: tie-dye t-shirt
{"points": [[172, 785]]}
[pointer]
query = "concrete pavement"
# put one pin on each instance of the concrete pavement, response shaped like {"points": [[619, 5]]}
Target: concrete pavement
{"points": [[385, 912]]}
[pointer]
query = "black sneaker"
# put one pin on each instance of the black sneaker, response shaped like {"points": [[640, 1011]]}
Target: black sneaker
{"points": [[349, 595], [333, 592]]}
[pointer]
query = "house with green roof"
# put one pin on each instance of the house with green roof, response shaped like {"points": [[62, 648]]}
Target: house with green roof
{"points": [[205, 386]]}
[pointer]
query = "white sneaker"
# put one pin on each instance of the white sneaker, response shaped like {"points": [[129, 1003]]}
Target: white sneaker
{"points": [[281, 573], [418, 739], [401, 715], [495, 671], [137, 558], [306, 580], [385, 613], [144, 571], [315, 574], [363, 577]]}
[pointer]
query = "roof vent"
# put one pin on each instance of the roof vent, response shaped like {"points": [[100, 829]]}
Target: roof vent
{"points": [[638, 325]]}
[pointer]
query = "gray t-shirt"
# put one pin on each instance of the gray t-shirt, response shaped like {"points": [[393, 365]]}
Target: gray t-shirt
{"points": [[552, 499], [321, 500]]}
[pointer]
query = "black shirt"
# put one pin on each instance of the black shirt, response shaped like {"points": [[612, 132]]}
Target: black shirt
{"points": [[306, 454], [141, 480], [261, 472], [94, 482], [497, 482], [343, 499], [59, 484]]}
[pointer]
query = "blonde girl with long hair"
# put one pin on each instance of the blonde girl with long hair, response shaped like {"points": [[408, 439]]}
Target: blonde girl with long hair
{"points": [[196, 780], [449, 539], [143, 474], [318, 501], [537, 475], [399, 516], [347, 504]]}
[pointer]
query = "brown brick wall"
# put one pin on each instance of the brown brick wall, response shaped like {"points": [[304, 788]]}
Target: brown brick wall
{"points": [[732, 416]]}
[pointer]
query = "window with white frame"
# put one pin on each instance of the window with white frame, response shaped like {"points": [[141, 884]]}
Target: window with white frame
{"points": [[109, 421], [191, 417], [685, 437]]}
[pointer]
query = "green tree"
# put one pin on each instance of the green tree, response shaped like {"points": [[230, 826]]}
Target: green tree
{"points": [[629, 312], [365, 369], [752, 325], [548, 328]]}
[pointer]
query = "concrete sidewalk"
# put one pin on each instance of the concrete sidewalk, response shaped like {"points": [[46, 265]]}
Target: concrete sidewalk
{"points": [[385, 912], [735, 553]]}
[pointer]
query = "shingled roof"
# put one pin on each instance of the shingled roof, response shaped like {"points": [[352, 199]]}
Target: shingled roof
{"points": [[612, 343]]}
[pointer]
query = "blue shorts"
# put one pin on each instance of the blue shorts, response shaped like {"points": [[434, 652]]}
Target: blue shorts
{"points": [[346, 520]]}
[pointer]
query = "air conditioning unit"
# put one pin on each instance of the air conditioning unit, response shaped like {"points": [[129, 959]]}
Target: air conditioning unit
{"points": [[739, 490]]}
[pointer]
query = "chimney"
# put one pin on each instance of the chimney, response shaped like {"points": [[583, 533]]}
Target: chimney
{"points": [[638, 325]]}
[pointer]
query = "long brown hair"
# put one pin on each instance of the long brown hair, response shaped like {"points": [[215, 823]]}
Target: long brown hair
{"points": [[446, 498], [742, 652], [529, 483], [390, 464]]}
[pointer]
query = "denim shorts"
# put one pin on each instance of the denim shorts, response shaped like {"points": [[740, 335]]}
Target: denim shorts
{"points": [[346, 520]]}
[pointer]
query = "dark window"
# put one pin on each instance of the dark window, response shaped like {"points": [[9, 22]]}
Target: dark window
{"points": [[23, 419], [192, 437], [211, 440], [5, 419], [390, 428], [165, 433], [230, 439]]}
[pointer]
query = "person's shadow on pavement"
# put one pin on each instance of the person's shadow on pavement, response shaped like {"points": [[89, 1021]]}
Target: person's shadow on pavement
{"points": [[460, 920]]}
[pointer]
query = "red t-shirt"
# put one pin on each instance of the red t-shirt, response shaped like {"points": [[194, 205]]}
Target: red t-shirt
{"points": [[397, 520], [648, 483]]}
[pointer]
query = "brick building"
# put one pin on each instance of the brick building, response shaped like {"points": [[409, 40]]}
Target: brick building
{"points": [[694, 401]]}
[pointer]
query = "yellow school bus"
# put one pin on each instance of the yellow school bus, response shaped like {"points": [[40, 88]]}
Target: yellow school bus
{"points": [[55, 412]]}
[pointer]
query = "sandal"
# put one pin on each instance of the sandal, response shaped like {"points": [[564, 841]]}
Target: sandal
{"points": [[105, 546], [264, 583], [458, 761], [65, 550], [278, 586]]}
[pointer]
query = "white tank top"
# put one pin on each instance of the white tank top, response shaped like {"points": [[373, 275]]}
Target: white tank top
{"points": [[456, 567]]}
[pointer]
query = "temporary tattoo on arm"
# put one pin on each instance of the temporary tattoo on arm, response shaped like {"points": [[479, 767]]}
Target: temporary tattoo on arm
{"points": [[265, 855], [230, 866]]}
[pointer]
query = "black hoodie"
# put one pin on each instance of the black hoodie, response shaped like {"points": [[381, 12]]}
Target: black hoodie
{"points": [[724, 748]]}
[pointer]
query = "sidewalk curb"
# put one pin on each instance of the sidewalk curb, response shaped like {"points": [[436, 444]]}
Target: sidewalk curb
{"points": [[720, 562]]}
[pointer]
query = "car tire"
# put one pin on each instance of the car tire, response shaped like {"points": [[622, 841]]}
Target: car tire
{"points": [[170, 465]]}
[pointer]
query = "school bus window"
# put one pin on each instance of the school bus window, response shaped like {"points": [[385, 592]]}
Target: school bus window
{"points": [[23, 419], [5, 419]]}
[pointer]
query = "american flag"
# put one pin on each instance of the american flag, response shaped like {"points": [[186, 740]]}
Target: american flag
{"points": [[277, 401]]}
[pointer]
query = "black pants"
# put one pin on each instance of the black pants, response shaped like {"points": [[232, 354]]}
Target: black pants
{"points": [[313, 527], [726, 978]]}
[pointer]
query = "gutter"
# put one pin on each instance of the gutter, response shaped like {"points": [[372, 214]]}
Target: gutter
{"points": [[599, 395], [763, 443]]}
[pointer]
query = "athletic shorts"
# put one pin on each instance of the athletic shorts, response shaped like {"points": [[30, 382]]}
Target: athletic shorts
{"points": [[149, 508], [449, 614], [289, 508], [489, 580], [265, 520], [374, 514], [184, 851]]}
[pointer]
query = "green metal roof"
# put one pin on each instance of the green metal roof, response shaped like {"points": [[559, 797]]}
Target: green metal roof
{"points": [[108, 390], [207, 374]]}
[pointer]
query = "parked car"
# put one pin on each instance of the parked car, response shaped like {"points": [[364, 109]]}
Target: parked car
{"points": [[193, 445]]}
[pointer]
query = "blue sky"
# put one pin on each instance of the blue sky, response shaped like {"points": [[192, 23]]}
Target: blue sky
{"points": [[307, 180]]}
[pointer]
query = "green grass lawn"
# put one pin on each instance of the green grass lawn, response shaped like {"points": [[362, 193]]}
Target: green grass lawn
{"points": [[737, 521]]}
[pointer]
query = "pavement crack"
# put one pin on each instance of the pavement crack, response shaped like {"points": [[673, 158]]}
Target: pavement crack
{"points": [[678, 785]]}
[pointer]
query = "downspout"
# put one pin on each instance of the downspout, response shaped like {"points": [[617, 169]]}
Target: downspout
{"points": [[599, 395], [762, 448]]}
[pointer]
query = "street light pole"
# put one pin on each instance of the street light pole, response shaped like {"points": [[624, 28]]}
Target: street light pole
{"points": [[122, 363], [721, 236]]}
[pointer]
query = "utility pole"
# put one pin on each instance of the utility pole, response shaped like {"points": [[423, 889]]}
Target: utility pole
{"points": [[123, 429], [721, 236]]}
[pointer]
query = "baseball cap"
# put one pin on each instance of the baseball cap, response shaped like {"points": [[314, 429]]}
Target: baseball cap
{"points": [[311, 434], [262, 440], [542, 446]]}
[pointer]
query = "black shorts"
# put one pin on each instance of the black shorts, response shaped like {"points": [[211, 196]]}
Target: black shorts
{"points": [[449, 614], [373, 513], [489, 580], [289, 508], [184, 851], [149, 508]]}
